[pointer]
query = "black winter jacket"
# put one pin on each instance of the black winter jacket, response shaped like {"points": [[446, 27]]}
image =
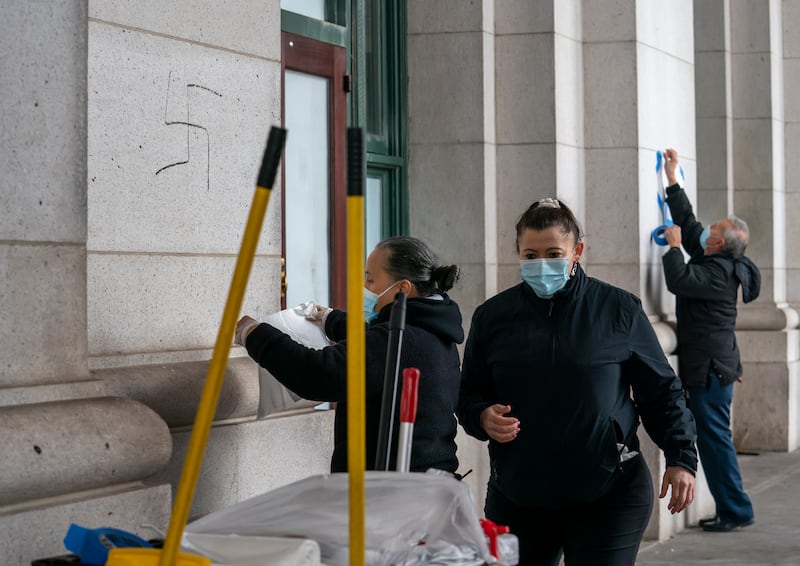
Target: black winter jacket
{"points": [[433, 328], [567, 366], [706, 291]]}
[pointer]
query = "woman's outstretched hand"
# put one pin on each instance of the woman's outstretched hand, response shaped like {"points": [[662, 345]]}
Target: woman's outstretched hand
{"points": [[244, 327]]}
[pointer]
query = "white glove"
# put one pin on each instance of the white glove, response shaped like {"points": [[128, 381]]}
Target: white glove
{"points": [[243, 329], [319, 315]]}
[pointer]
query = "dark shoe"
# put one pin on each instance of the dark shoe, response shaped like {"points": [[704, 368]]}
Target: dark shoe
{"points": [[726, 525], [708, 521]]}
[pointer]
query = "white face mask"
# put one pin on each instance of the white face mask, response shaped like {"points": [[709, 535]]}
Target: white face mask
{"points": [[371, 299]]}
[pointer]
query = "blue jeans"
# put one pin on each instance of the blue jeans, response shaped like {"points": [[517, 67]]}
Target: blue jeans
{"points": [[711, 407]]}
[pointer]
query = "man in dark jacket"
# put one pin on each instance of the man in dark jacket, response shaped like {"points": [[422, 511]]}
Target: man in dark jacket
{"points": [[706, 292]]}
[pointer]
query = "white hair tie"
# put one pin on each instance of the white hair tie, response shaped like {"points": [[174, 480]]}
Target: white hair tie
{"points": [[549, 203]]}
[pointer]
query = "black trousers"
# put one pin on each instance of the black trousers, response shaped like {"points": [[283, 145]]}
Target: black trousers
{"points": [[606, 532]]}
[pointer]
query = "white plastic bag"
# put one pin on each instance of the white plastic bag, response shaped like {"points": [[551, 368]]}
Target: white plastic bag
{"points": [[411, 519], [274, 396], [227, 550]]}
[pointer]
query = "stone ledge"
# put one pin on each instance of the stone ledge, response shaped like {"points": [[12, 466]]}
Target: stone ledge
{"points": [[52, 392], [56, 448], [174, 390]]}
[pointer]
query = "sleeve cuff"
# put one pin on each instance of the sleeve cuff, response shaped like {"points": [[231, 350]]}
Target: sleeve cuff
{"points": [[686, 459], [473, 423], [674, 188]]}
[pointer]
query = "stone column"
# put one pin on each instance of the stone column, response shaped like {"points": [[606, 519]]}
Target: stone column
{"points": [[791, 68], [43, 231], [767, 405], [714, 121], [791, 115], [70, 455], [639, 98], [539, 81], [452, 189]]}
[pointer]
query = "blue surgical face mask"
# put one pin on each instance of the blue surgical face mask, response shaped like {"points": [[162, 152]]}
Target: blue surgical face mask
{"points": [[546, 276], [370, 300], [704, 236]]}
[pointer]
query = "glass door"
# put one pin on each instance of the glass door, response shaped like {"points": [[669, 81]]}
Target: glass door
{"points": [[314, 183]]}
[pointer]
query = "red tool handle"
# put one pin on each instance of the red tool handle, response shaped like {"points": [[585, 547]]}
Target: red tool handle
{"points": [[408, 401]]}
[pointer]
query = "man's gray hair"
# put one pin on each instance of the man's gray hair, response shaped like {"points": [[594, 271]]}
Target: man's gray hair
{"points": [[736, 236]]}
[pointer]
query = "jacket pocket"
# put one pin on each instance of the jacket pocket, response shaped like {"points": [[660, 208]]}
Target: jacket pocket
{"points": [[610, 454]]}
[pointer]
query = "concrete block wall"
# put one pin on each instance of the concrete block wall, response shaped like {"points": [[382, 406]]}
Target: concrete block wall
{"points": [[245, 459], [610, 132], [791, 115], [790, 16], [43, 227], [713, 109], [71, 453], [181, 99], [168, 201], [757, 107], [539, 115]]}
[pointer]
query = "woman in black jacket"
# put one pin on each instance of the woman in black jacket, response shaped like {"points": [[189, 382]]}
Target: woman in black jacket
{"points": [[433, 328], [549, 369]]}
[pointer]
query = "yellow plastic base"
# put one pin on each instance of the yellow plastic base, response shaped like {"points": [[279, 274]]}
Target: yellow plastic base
{"points": [[150, 557]]}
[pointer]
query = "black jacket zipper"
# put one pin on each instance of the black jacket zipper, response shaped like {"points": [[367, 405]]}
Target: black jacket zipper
{"points": [[553, 334]]}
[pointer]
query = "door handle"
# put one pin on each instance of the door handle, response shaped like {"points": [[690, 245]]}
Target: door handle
{"points": [[284, 284]]}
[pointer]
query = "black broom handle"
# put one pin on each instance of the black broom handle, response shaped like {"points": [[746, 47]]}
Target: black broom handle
{"points": [[391, 379]]}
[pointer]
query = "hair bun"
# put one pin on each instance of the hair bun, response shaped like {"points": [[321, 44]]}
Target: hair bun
{"points": [[445, 276]]}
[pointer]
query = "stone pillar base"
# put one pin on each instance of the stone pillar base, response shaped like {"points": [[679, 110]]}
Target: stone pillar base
{"points": [[36, 533], [766, 404]]}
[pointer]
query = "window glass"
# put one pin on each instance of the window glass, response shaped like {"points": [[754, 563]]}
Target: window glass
{"points": [[307, 189], [373, 213], [310, 8], [374, 68]]}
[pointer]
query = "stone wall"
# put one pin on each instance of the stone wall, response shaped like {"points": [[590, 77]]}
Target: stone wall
{"points": [[71, 454], [130, 138]]}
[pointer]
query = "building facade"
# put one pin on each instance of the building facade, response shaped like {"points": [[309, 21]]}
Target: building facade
{"points": [[131, 137]]}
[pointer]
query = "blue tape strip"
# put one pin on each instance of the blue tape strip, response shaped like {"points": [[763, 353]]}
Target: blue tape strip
{"points": [[658, 233]]}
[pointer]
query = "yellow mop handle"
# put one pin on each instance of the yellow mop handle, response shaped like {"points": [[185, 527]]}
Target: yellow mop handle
{"points": [[216, 369], [356, 389]]}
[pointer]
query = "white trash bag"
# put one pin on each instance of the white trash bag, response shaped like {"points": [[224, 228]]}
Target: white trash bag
{"points": [[274, 397], [225, 550], [411, 519]]}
